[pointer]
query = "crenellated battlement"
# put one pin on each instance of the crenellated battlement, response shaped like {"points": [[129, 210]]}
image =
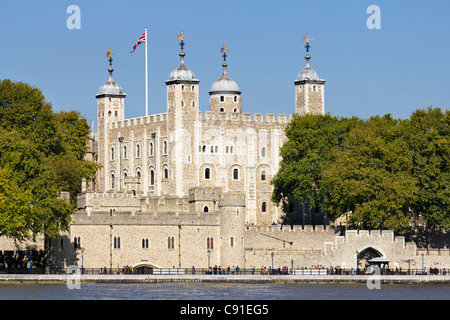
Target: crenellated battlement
{"points": [[208, 116], [276, 229], [389, 234], [174, 218], [154, 118], [246, 117]]}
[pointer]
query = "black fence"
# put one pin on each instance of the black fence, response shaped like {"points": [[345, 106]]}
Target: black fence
{"points": [[217, 271]]}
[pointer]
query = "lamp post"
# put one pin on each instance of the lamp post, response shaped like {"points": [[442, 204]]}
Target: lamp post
{"points": [[272, 261], [82, 261], [31, 261], [209, 255], [422, 265], [356, 261]]}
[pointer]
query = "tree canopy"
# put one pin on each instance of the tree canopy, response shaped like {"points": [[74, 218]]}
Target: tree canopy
{"points": [[382, 171], [41, 154]]}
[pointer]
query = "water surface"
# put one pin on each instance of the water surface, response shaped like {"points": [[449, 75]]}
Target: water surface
{"points": [[223, 291]]}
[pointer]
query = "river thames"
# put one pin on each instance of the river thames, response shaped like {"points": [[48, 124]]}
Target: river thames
{"points": [[224, 291]]}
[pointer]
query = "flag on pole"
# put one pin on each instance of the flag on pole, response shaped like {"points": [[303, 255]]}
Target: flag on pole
{"points": [[141, 40]]}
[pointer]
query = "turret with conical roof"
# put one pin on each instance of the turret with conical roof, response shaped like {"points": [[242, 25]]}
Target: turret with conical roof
{"points": [[110, 108], [309, 88], [225, 95], [182, 116]]}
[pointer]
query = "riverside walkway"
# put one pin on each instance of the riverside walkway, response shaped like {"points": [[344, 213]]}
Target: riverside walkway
{"points": [[131, 278]]}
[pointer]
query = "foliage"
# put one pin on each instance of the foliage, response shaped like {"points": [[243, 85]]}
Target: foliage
{"points": [[41, 154], [427, 133], [371, 177], [382, 171], [310, 139]]}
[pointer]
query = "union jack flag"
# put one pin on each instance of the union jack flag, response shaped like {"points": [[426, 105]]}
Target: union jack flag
{"points": [[140, 41]]}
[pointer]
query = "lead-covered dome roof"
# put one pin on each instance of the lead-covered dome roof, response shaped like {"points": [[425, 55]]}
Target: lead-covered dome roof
{"points": [[225, 84], [110, 87], [182, 72]]}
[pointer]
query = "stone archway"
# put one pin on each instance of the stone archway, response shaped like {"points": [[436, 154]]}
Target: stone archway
{"points": [[367, 254], [143, 268]]}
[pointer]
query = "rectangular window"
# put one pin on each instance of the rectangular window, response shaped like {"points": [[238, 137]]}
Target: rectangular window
{"points": [[170, 242], [231, 241]]}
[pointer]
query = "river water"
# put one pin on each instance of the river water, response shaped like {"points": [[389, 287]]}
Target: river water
{"points": [[223, 291]]}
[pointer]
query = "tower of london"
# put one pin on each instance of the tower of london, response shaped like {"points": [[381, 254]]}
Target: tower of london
{"points": [[164, 156], [186, 164], [190, 188]]}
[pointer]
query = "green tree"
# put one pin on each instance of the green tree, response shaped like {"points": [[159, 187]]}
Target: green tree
{"points": [[371, 176], [307, 150], [427, 133], [36, 147]]}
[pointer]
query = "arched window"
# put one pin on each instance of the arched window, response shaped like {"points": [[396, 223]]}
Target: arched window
{"points": [[235, 98], [235, 174], [222, 98], [263, 207], [263, 175], [207, 174], [206, 209], [263, 152], [193, 103], [222, 109], [113, 181], [77, 243], [124, 152], [166, 173], [165, 147], [112, 153], [150, 148], [210, 243], [138, 151], [152, 177]]}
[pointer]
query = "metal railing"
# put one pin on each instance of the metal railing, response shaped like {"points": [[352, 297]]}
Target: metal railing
{"points": [[217, 271]]}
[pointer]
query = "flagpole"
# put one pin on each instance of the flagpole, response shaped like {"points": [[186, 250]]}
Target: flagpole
{"points": [[146, 74]]}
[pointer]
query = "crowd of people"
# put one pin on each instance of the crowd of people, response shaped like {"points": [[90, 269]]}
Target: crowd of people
{"points": [[264, 270]]}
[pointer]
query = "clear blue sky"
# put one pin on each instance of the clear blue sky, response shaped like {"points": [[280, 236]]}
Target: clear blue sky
{"points": [[398, 69]]}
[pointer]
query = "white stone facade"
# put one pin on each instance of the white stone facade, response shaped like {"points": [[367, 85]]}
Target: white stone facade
{"points": [[189, 188]]}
